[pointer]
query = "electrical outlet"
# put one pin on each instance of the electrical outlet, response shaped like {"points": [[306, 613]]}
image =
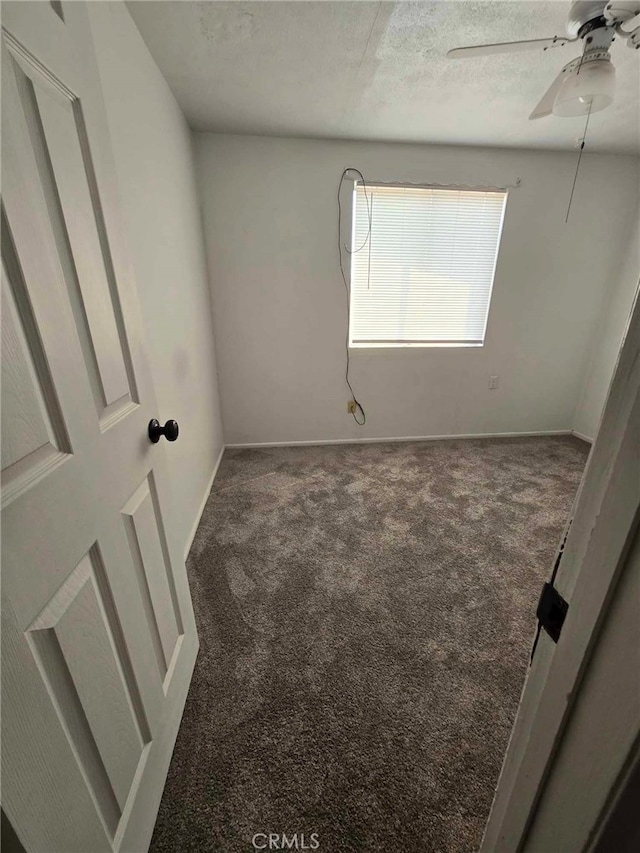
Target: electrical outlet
{"points": [[493, 383], [351, 407]]}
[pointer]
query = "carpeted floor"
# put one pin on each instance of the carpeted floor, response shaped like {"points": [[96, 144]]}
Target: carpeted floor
{"points": [[365, 616]]}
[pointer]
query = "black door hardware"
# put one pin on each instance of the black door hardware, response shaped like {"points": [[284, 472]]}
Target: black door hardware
{"points": [[552, 610], [169, 430]]}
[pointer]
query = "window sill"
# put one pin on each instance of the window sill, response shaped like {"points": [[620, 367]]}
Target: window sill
{"points": [[413, 345]]}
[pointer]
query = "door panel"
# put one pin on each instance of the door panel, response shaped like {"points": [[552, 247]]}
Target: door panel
{"points": [[78, 812], [30, 416], [62, 122], [55, 126], [74, 638], [98, 632], [34, 434], [149, 554]]}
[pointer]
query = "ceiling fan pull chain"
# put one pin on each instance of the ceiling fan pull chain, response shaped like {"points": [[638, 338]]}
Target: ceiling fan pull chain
{"points": [[575, 177]]}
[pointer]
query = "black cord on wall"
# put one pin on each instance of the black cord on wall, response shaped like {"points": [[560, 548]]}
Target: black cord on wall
{"points": [[357, 404]]}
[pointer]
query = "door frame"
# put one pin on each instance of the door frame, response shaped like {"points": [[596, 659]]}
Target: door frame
{"points": [[606, 515]]}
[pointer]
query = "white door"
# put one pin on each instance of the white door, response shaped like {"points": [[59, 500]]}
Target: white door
{"points": [[98, 633]]}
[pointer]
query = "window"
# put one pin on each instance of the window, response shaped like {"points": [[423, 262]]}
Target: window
{"points": [[423, 277]]}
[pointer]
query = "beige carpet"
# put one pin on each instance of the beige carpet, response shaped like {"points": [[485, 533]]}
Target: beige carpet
{"points": [[365, 616]]}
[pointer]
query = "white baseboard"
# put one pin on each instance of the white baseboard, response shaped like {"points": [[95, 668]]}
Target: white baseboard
{"points": [[399, 439], [207, 492], [582, 436]]}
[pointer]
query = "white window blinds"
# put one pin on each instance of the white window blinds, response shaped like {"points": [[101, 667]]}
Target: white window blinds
{"points": [[425, 273]]}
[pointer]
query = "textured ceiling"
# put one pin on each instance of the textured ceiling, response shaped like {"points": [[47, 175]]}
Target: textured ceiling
{"points": [[371, 70]]}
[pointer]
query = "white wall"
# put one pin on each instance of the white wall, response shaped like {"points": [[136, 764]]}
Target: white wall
{"points": [[152, 147], [271, 226], [612, 321]]}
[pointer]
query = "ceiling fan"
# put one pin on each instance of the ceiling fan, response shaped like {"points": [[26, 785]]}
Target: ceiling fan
{"points": [[587, 83]]}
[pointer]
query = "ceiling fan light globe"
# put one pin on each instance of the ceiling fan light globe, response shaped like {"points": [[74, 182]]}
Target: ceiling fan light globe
{"points": [[588, 88]]}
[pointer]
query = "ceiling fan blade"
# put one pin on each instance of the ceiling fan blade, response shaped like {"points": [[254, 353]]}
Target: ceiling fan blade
{"points": [[545, 105], [622, 12], [633, 24], [507, 47]]}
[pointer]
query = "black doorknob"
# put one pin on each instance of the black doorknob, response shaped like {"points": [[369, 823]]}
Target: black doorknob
{"points": [[169, 430]]}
